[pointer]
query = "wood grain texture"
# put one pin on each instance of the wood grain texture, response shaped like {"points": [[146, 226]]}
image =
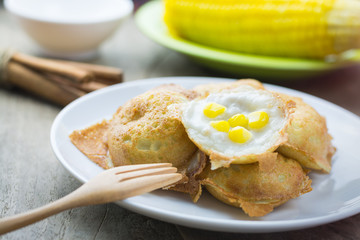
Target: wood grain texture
{"points": [[31, 176]]}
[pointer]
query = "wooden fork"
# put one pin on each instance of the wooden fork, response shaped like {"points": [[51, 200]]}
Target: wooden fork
{"points": [[109, 186]]}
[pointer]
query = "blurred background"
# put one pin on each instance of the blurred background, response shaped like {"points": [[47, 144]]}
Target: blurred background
{"points": [[339, 86], [26, 119]]}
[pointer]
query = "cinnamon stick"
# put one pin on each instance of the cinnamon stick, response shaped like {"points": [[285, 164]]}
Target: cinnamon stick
{"points": [[31, 81], [111, 74], [105, 81], [92, 86], [65, 83], [81, 88], [59, 81], [48, 65]]}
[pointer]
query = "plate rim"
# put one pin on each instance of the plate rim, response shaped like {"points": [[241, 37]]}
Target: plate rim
{"points": [[227, 225]]}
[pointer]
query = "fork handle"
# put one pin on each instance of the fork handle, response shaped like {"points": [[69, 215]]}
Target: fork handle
{"points": [[11, 223]]}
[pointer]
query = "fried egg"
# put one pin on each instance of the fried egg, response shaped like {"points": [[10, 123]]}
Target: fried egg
{"points": [[242, 125]]}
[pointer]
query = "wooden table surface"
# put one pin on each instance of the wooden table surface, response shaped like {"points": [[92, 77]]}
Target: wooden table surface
{"points": [[31, 176]]}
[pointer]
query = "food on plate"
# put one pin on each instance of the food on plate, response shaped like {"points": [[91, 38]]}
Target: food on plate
{"points": [[148, 129], [250, 147], [237, 126], [308, 139], [255, 188], [205, 89], [141, 131], [92, 141], [298, 28]]}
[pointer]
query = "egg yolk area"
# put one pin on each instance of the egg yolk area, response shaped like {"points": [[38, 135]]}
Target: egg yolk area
{"points": [[250, 123], [238, 122]]}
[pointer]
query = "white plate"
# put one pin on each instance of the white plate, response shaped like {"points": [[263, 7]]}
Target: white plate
{"points": [[334, 196]]}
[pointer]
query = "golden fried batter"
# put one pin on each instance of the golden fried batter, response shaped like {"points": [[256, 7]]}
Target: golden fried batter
{"points": [[92, 142], [191, 182], [251, 90], [308, 139], [257, 189], [205, 89], [147, 129]]}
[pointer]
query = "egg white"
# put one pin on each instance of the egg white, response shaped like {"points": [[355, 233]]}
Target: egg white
{"points": [[243, 100]]}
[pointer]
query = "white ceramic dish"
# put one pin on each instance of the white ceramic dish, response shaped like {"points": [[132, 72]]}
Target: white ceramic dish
{"points": [[70, 29], [334, 196]]}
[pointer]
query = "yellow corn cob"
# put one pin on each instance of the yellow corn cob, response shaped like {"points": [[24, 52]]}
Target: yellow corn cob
{"points": [[291, 28]]}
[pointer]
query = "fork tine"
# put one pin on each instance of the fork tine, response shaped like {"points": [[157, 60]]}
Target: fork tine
{"points": [[146, 184], [145, 172], [136, 167]]}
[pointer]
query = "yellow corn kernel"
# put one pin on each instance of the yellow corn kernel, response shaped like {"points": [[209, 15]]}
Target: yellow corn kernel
{"points": [[222, 126], [296, 28], [258, 119], [239, 135], [212, 110], [238, 120]]}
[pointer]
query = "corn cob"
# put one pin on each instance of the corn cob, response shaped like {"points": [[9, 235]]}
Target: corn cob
{"points": [[289, 28]]}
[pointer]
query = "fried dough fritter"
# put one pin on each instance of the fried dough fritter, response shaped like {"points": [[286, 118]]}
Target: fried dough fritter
{"points": [[147, 129], [205, 89], [191, 182], [92, 142], [308, 139], [237, 98], [257, 189]]}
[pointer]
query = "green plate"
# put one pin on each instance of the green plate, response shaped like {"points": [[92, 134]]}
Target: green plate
{"points": [[149, 19]]}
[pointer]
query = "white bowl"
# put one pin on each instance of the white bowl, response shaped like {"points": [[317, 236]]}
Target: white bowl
{"points": [[70, 28]]}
